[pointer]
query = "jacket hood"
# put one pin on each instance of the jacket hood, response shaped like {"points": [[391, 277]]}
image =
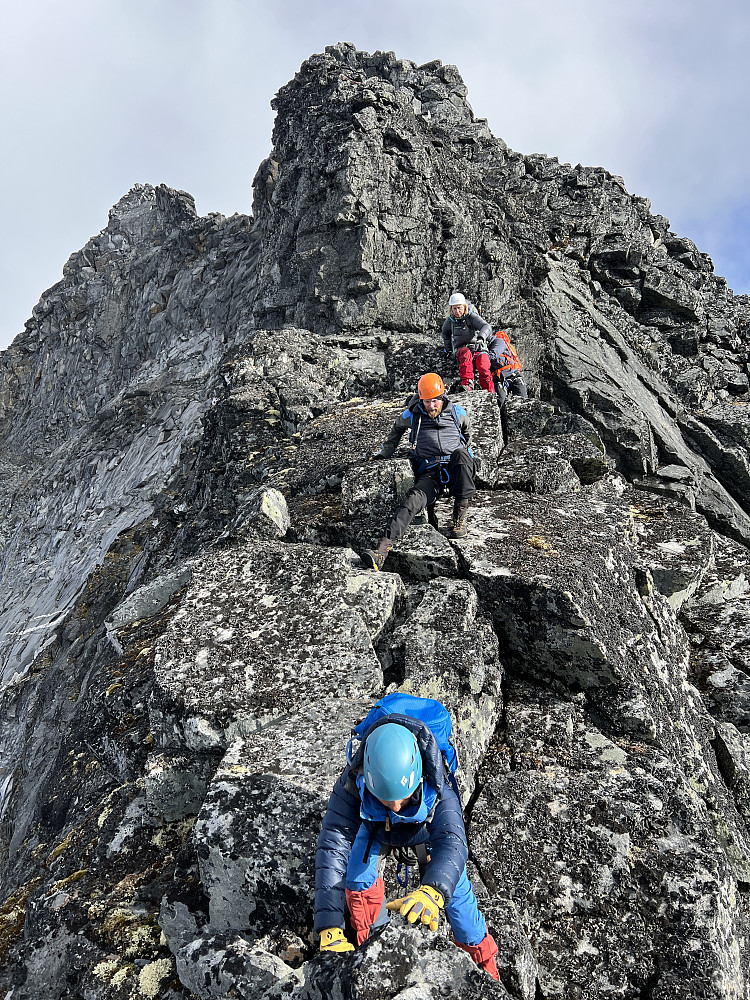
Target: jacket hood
{"points": [[415, 812]]}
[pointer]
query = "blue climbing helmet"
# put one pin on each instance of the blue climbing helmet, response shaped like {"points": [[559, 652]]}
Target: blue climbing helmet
{"points": [[393, 763]]}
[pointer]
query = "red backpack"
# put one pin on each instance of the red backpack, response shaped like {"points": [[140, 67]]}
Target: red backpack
{"points": [[514, 364]]}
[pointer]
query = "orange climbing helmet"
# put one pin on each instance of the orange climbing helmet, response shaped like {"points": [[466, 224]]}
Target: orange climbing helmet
{"points": [[430, 386]]}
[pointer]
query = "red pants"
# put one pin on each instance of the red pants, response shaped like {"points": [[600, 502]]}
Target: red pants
{"points": [[364, 906], [467, 360], [484, 954]]}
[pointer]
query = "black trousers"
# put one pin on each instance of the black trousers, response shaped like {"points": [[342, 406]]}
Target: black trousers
{"points": [[513, 384], [429, 488]]}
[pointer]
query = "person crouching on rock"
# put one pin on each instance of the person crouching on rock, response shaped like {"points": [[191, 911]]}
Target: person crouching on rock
{"points": [[394, 795], [467, 336], [506, 368], [441, 459]]}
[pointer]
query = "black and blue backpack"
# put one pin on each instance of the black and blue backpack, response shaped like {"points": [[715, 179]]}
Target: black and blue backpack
{"points": [[434, 715]]}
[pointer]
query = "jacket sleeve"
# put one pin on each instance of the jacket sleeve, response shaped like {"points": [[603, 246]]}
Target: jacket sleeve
{"points": [[483, 328], [447, 339], [448, 848], [465, 424], [340, 825], [400, 426]]}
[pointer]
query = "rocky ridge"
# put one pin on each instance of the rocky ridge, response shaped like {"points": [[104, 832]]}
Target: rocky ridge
{"points": [[186, 634]]}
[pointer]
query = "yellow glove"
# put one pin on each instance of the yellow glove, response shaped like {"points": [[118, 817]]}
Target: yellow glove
{"points": [[333, 940], [423, 904]]}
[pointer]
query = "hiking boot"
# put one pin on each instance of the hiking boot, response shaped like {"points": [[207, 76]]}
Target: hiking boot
{"points": [[375, 558], [465, 387], [432, 518], [458, 524]]}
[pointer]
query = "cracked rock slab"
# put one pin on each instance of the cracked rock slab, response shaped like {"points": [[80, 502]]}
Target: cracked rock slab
{"points": [[262, 630], [400, 963], [581, 835], [215, 965], [449, 652], [423, 554], [676, 545]]}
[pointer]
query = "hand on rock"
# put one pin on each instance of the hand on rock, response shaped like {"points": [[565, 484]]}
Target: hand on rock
{"points": [[333, 940], [423, 904]]}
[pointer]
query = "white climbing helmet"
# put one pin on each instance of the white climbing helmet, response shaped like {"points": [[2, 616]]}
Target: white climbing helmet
{"points": [[457, 299]]}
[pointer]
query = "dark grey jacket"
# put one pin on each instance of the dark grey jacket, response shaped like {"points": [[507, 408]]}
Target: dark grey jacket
{"points": [[469, 331], [431, 437]]}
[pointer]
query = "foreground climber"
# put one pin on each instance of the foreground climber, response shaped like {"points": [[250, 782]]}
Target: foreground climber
{"points": [[397, 794], [440, 457], [467, 336]]}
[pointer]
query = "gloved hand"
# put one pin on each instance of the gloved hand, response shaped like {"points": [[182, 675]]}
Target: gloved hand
{"points": [[333, 940], [423, 904]]}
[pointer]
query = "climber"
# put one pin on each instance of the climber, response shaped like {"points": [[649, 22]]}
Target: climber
{"points": [[440, 456], [506, 368], [394, 795], [467, 336]]}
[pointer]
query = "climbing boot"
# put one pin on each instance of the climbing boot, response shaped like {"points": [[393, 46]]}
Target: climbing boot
{"points": [[466, 386], [375, 558], [458, 523]]}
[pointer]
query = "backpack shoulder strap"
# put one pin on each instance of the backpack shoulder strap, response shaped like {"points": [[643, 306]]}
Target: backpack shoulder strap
{"points": [[457, 412], [415, 427]]}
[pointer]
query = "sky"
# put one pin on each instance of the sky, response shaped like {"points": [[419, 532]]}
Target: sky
{"points": [[97, 95]]}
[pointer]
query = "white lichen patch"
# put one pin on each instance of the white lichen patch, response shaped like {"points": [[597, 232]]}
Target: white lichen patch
{"points": [[672, 547], [105, 970], [152, 975]]}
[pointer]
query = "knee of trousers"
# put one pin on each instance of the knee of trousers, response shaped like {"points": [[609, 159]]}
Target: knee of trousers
{"points": [[415, 501], [462, 456]]}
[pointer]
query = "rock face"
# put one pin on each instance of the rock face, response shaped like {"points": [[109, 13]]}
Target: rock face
{"points": [[187, 636]]}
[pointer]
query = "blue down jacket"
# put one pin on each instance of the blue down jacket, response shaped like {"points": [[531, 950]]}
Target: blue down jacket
{"points": [[443, 828]]}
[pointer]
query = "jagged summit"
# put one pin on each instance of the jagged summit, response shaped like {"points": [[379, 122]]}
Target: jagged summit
{"points": [[187, 634], [146, 211], [433, 89]]}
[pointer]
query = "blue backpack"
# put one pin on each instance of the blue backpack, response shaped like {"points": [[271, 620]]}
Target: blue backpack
{"points": [[434, 714]]}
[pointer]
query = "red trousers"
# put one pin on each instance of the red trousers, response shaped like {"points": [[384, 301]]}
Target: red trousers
{"points": [[484, 954], [468, 360], [364, 906]]}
